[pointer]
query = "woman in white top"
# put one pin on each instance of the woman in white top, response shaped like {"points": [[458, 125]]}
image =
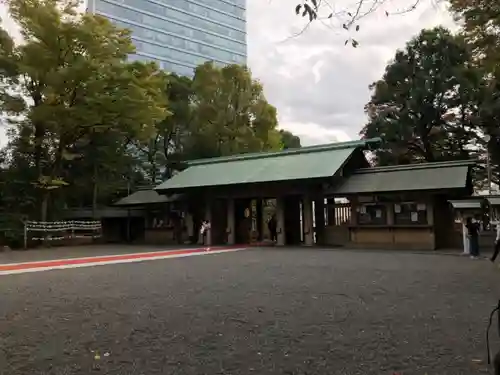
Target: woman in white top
{"points": [[205, 227]]}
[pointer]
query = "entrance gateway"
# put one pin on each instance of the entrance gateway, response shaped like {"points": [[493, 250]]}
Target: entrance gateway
{"points": [[308, 188]]}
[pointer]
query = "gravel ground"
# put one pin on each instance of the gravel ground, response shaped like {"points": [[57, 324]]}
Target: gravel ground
{"points": [[252, 312]]}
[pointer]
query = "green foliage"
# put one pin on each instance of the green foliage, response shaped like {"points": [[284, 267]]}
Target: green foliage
{"points": [[481, 31], [221, 111], [288, 140], [174, 131], [87, 126], [231, 114], [426, 105], [71, 82]]}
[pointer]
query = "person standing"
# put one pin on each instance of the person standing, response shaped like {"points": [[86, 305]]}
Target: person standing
{"points": [[205, 227], [465, 237], [473, 234], [272, 226], [497, 243], [176, 220]]}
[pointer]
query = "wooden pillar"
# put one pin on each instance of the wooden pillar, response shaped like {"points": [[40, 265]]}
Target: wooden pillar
{"points": [[308, 221], [293, 228], [231, 227], [208, 217], [354, 210], [319, 218], [430, 212], [354, 218], [390, 213], [280, 221]]}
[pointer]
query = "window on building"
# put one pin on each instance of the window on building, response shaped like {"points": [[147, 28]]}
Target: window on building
{"points": [[410, 213], [372, 214]]}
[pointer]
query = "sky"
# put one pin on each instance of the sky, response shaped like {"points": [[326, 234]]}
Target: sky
{"points": [[318, 84]]}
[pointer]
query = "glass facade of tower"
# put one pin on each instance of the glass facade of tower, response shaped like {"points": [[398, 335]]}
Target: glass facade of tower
{"points": [[181, 34]]}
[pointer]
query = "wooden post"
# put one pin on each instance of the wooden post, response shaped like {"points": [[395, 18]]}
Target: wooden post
{"points": [[319, 219], [308, 221], [280, 221], [25, 235]]}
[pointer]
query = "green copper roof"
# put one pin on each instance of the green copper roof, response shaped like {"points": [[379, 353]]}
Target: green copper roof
{"points": [[425, 176], [143, 197], [466, 204], [303, 163], [494, 200]]}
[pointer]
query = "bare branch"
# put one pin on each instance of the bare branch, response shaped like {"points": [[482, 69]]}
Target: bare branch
{"points": [[348, 15]]}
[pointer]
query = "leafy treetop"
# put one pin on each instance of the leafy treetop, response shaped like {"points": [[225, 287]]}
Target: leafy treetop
{"points": [[70, 79]]}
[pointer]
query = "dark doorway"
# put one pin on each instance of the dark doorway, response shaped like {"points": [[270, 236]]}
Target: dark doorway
{"points": [[243, 220], [259, 219], [293, 232], [198, 213], [219, 222], [132, 229]]}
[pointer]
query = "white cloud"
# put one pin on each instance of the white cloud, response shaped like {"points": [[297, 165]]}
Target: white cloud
{"points": [[319, 85]]}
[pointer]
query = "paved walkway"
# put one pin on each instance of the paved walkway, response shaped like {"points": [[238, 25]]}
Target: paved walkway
{"points": [[105, 259], [70, 252]]}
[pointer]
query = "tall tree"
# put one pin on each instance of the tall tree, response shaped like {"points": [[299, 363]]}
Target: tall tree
{"points": [[175, 130], [424, 107], [70, 80], [220, 112], [481, 28], [231, 114]]}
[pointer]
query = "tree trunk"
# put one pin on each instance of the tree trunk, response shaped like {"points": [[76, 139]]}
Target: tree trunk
{"points": [[44, 213], [38, 151], [39, 132], [95, 192], [153, 172], [427, 146], [44, 205]]}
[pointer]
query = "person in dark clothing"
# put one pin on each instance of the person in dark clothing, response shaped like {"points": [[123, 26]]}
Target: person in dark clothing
{"points": [[497, 243], [177, 224], [473, 234], [272, 226]]}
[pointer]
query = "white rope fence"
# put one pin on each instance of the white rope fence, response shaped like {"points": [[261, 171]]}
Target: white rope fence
{"points": [[61, 230]]}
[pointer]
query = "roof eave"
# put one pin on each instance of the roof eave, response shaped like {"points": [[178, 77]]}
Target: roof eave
{"points": [[406, 167], [382, 192]]}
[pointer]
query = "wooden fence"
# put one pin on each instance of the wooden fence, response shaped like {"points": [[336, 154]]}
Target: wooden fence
{"points": [[60, 230], [338, 214]]}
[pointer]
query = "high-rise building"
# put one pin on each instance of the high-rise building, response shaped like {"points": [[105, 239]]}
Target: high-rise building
{"points": [[181, 34]]}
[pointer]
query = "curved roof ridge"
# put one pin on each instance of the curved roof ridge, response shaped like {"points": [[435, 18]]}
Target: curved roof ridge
{"points": [[295, 151]]}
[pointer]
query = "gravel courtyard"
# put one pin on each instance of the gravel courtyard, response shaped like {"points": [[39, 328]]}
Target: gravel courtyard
{"points": [[260, 311]]}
